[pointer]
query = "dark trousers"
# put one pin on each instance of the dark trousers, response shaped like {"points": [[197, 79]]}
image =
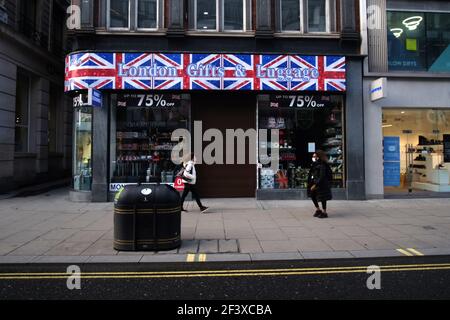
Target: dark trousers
{"points": [[193, 189], [316, 203]]}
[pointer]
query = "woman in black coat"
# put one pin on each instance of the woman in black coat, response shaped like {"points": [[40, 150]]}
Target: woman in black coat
{"points": [[319, 179]]}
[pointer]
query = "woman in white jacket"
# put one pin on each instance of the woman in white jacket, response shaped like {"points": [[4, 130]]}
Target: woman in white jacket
{"points": [[189, 179]]}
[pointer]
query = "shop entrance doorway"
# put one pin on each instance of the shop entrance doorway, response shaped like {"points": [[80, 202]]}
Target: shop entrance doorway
{"points": [[225, 110], [416, 151]]}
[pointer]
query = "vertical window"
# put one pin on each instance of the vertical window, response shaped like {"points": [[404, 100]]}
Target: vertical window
{"points": [[22, 112], [290, 15], [307, 15], [52, 119], [317, 16], [206, 14], [119, 14], [82, 161], [220, 15], [233, 15], [147, 13]]}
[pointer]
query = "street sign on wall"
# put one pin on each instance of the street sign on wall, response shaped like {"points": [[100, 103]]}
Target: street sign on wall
{"points": [[191, 71]]}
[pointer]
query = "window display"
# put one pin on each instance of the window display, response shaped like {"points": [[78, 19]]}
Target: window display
{"points": [[82, 167], [306, 123], [421, 136], [141, 143]]}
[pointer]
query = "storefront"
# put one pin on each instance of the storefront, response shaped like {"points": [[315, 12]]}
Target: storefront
{"points": [[416, 150], [146, 96]]}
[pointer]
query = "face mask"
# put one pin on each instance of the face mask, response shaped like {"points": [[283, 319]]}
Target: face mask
{"points": [[314, 159]]}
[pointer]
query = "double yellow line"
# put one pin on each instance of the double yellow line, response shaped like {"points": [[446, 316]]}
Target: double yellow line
{"points": [[224, 273], [410, 252], [192, 257]]}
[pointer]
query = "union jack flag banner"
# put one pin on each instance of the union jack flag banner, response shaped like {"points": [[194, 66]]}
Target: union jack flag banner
{"points": [[194, 71]]}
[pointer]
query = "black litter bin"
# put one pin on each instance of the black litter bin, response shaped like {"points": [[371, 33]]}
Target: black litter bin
{"points": [[147, 217]]}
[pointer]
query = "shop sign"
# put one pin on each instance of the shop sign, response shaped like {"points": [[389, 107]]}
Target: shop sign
{"points": [[378, 89], [80, 100], [190, 71], [94, 98], [300, 101], [149, 100]]}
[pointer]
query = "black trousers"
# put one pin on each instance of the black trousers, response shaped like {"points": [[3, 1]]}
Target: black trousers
{"points": [[316, 202], [193, 189]]}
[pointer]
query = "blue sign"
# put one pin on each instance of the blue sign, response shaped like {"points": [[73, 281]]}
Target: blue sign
{"points": [[391, 174], [95, 98], [391, 150], [391, 157]]}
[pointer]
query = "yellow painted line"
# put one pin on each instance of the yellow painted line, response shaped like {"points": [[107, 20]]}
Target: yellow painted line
{"points": [[414, 251], [406, 253], [201, 257], [259, 274], [358, 268], [190, 257]]}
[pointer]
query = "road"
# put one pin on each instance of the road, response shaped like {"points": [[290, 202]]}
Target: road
{"points": [[400, 278]]}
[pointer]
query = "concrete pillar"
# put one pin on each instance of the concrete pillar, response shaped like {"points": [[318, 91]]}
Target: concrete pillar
{"points": [[354, 119], [176, 18], [100, 153], [264, 26]]}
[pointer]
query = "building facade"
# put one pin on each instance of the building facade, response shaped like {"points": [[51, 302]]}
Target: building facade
{"points": [[162, 65], [407, 132], [35, 117]]}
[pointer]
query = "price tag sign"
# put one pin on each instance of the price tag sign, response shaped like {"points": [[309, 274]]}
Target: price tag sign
{"points": [[149, 100], [300, 101]]}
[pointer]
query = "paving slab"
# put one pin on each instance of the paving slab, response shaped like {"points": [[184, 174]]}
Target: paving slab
{"points": [[114, 259], [208, 246], [189, 246], [228, 246]]}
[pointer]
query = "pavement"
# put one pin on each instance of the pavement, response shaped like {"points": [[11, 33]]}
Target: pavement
{"points": [[48, 228]]}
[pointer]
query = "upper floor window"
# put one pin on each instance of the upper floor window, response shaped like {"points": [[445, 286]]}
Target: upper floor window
{"points": [[141, 15], [418, 41], [306, 16], [220, 15]]}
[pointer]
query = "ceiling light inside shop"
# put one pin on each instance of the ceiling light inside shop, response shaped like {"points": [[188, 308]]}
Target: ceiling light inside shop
{"points": [[397, 32], [412, 22], [403, 112], [386, 126], [206, 13]]}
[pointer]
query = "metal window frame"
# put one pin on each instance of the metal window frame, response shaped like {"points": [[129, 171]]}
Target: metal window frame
{"points": [[303, 15], [158, 7], [108, 17], [300, 14], [327, 18], [244, 17], [217, 18]]}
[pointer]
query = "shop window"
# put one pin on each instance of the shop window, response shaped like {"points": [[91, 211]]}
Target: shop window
{"points": [[421, 160], [141, 132], [418, 41], [82, 164], [23, 88], [220, 15], [137, 15], [306, 16], [306, 123]]}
